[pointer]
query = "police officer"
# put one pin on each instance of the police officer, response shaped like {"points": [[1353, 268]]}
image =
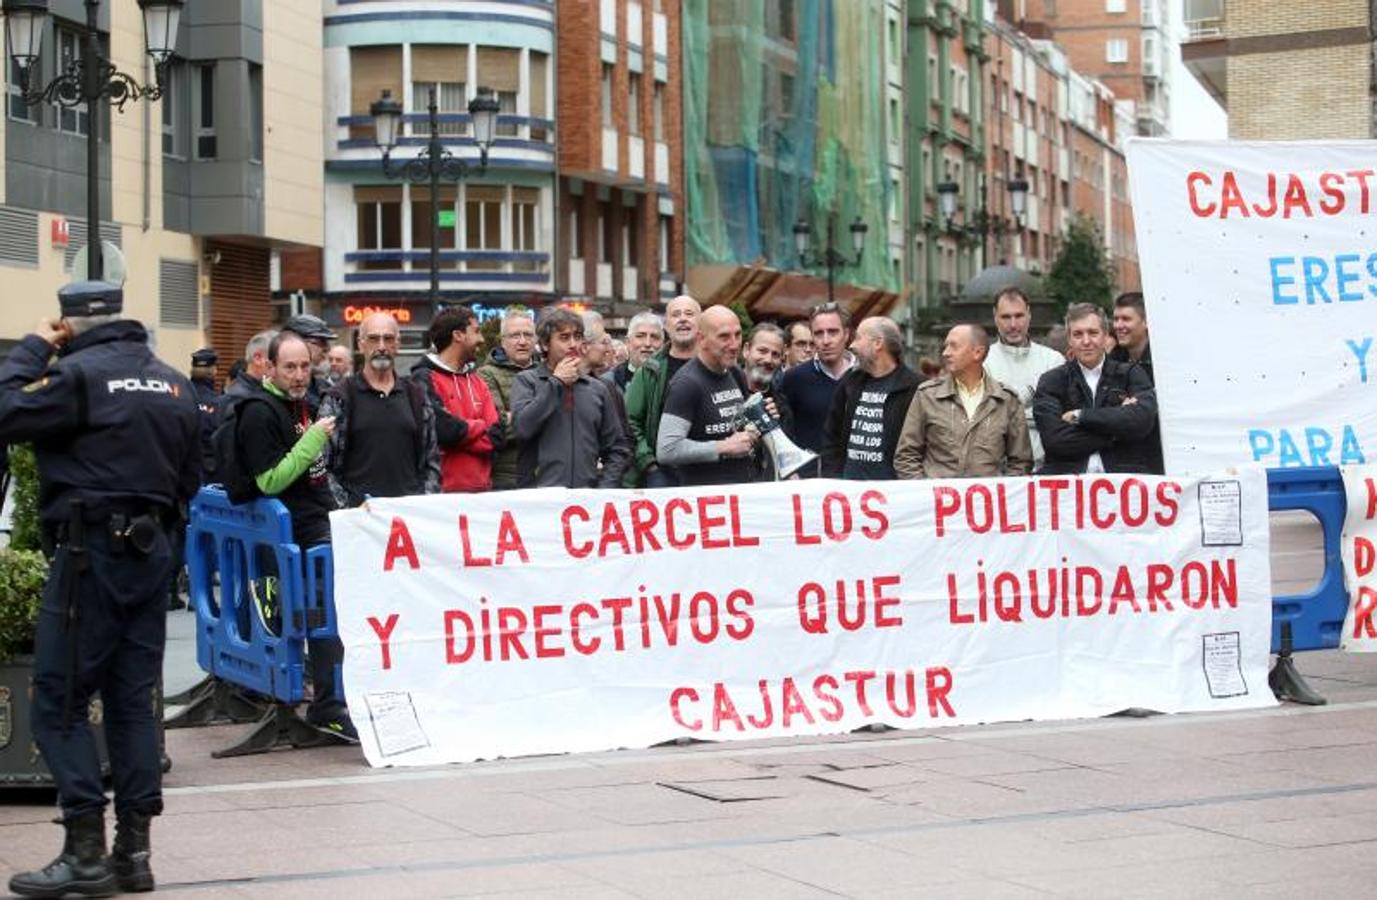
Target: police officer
{"points": [[117, 436], [208, 399]]}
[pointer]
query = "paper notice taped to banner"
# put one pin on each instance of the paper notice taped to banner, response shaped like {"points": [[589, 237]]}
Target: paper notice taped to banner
{"points": [[543, 621]]}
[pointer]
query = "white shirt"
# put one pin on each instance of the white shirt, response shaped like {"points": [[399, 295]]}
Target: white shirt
{"points": [[1018, 369], [1095, 465]]}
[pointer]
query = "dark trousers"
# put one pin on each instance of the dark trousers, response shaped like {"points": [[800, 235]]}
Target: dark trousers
{"points": [[325, 656], [119, 631]]}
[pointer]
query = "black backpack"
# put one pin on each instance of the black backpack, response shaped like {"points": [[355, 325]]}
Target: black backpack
{"points": [[239, 484]]}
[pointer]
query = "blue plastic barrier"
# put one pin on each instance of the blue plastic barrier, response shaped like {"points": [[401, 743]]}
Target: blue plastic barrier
{"points": [[246, 544], [1316, 619]]}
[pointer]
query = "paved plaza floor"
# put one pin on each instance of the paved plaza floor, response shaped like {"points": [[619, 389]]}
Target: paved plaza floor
{"points": [[1279, 801]]}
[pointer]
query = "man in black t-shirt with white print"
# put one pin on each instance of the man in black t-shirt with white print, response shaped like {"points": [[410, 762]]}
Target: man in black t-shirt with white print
{"points": [[699, 432]]}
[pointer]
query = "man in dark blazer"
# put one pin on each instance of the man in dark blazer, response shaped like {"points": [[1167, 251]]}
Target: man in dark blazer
{"points": [[1095, 414]]}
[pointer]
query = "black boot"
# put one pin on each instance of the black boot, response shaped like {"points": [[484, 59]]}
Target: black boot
{"points": [[129, 856], [81, 869]]}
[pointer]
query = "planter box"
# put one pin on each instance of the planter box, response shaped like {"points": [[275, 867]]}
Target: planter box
{"points": [[21, 765]]}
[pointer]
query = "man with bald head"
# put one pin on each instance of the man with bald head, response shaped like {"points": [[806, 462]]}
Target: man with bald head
{"points": [[964, 424], [698, 435], [384, 443], [868, 409], [645, 394]]}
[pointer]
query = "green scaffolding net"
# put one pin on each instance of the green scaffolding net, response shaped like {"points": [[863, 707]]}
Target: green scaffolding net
{"points": [[784, 121]]}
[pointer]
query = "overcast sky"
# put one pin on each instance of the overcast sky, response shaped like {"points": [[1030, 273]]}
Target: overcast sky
{"points": [[1194, 114]]}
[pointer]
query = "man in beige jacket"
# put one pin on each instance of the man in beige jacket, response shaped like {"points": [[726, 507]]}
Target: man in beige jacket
{"points": [[964, 424]]}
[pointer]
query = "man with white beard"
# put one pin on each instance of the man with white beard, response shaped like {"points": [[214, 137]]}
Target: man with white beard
{"points": [[384, 441], [1017, 362]]}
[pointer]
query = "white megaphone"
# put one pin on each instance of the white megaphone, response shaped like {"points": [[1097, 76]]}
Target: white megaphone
{"points": [[786, 456]]}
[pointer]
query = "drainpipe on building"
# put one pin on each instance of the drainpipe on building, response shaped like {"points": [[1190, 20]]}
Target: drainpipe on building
{"points": [[147, 159]]}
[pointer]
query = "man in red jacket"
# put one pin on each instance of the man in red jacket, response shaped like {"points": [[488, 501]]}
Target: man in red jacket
{"points": [[466, 424]]}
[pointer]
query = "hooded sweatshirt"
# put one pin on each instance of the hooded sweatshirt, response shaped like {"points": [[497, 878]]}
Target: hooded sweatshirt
{"points": [[464, 412]]}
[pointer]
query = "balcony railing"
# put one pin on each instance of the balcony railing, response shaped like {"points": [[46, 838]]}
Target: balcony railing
{"points": [[1204, 29]]}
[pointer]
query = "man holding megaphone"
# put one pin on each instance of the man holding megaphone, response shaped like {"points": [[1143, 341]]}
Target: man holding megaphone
{"points": [[700, 431]]}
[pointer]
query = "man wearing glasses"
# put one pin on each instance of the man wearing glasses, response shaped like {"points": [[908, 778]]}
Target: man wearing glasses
{"points": [[514, 355], [384, 441], [809, 387]]}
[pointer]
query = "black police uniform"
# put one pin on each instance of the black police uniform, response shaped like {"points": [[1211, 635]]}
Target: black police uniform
{"points": [[116, 429], [209, 401]]}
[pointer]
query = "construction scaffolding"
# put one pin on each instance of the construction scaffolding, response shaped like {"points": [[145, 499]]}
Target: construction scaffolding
{"points": [[784, 121]]}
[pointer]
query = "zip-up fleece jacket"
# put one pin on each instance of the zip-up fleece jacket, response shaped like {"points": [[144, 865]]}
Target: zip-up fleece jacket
{"points": [[498, 374], [570, 436], [464, 412], [645, 402]]}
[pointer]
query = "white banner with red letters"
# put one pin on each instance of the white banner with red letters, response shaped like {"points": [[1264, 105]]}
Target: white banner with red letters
{"points": [[1260, 277], [502, 624], [1359, 551]]}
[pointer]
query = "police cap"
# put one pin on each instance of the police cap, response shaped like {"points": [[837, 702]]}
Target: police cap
{"points": [[90, 298], [204, 357], [313, 328]]}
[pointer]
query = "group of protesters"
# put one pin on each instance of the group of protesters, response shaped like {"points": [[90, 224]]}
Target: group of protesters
{"points": [[551, 406]]}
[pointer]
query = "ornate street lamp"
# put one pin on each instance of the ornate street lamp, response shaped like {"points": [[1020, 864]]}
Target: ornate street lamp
{"points": [[88, 81], [830, 257], [982, 224], [434, 162]]}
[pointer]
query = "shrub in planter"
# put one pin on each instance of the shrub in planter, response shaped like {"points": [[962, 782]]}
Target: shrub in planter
{"points": [[22, 574], [22, 567]]}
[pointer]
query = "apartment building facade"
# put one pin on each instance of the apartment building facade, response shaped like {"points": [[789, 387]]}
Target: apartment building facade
{"points": [[1126, 45], [199, 192], [496, 226], [1286, 71], [1062, 133], [947, 125], [620, 184]]}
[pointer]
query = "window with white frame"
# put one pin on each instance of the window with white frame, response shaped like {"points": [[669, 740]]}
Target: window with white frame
{"points": [[379, 214], [665, 228], [1116, 50], [450, 99], [173, 110], [605, 240], [631, 238], [18, 109], [894, 121], [606, 95], [525, 225], [575, 234], [506, 106], [657, 110], [203, 110], [74, 120], [423, 222], [483, 223], [633, 103]]}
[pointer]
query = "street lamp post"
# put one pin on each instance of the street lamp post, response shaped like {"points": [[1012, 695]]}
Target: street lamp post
{"points": [[982, 223], [434, 162], [830, 257], [89, 80]]}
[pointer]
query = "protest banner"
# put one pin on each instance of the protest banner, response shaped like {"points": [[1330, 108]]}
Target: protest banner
{"points": [[542, 621], [1359, 550], [1261, 289]]}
